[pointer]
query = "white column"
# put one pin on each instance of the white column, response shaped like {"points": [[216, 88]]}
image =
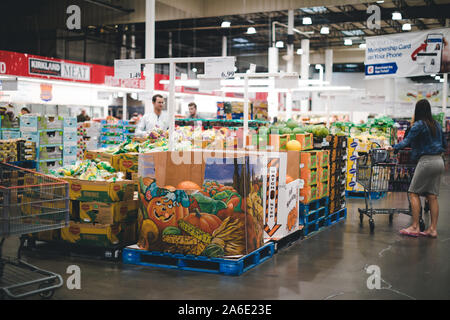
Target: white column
{"points": [[389, 98], [444, 96], [304, 66], [224, 46], [272, 97], [328, 64], [290, 47], [171, 104], [245, 133], [290, 62], [149, 51], [124, 106]]}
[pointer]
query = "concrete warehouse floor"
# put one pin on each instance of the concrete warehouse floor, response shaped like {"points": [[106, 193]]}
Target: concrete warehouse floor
{"points": [[330, 265]]}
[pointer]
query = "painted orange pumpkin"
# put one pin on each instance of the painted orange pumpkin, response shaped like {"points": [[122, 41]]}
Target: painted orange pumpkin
{"points": [[164, 213], [204, 221], [169, 187], [188, 185]]}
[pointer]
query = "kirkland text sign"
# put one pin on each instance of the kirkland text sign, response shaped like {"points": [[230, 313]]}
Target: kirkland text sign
{"points": [[408, 54], [59, 69]]}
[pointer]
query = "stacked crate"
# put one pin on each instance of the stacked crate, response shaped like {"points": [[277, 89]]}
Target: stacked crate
{"points": [[354, 148], [70, 141], [47, 133], [12, 150], [338, 172], [87, 134], [9, 129], [111, 134], [309, 173], [114, 133], [323, 169], [102, 214], [314, 171]]}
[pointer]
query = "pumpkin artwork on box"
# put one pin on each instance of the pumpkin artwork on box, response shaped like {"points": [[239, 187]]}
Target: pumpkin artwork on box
{"points": [[163, 209], [220, 218]]}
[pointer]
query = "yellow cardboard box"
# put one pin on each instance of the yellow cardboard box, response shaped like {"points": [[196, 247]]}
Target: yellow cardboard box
{"points": [[102, 191], [108, 213], [102, 235], [128, 162], [113, 159]]}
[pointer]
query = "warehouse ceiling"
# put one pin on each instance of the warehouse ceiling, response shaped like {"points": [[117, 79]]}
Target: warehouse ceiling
{"points": [[193, 27]]}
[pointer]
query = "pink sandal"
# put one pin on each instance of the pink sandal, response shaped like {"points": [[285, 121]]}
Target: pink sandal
{"points": [[408, 233], [424, 234]]}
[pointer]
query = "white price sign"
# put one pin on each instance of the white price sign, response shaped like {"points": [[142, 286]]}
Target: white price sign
{"points": [[288, 82], [209, 84], [127, 69], [219, 67]]}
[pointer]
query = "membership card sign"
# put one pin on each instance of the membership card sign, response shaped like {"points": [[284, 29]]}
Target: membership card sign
{"points": [[408, 54]]}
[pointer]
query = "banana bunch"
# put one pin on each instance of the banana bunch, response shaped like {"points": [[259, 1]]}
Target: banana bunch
{"points": [[230, 236], [69, 236], [254, 206]]}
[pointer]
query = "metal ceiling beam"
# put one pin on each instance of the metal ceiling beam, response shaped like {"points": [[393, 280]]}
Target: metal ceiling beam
{"points": [[109, 6]]}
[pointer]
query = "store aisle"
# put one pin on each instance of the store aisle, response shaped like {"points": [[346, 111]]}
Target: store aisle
{"points": [[330, 265]]}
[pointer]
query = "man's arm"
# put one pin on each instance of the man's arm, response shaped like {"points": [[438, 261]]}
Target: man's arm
{"points": [[140, 129]]}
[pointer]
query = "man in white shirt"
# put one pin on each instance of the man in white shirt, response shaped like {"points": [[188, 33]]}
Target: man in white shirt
{"points": [[154, 119]]}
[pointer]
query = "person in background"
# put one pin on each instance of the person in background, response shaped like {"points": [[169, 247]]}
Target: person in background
{"points": [[427, 142], [82, 117], [192, 110], [154, 119], [24, 111]]}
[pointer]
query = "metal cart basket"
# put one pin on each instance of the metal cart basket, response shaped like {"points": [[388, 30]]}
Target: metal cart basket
{"points": [[377, 171], [29, 202]]}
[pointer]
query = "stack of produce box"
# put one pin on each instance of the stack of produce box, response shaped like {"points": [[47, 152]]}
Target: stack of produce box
{"points": [[9, 129], [354, 148], [47, 133], [70, 140], [338, 172], [12, 150], [103, 209], [115, 132], [233, 110], [8, 150], [87, 134]]}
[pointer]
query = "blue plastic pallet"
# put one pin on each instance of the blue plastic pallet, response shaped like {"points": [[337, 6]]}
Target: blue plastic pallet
{"points": [[314, 227], [360, 194], [336, 217], [312, 216], [313, 205], [231, 267]]}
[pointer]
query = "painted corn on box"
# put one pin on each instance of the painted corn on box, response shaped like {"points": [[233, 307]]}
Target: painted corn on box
{"points": [[211, 207]]}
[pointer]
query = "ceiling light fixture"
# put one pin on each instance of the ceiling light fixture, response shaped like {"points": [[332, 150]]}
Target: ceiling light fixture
{"points": [[406, 27], [225, 24], [279, 44], [437, 78], [300, 51], [251, 30], [362, 46], [324, 30], [348, 42], [381, 1], [307, 20], [396, 16], [194, 70]]}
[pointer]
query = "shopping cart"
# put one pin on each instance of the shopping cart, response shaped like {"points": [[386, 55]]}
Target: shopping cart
{"points": [[378, 171], [29, 202]]}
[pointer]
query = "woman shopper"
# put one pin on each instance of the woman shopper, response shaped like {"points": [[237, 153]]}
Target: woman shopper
{"points": [[428, 144]]}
